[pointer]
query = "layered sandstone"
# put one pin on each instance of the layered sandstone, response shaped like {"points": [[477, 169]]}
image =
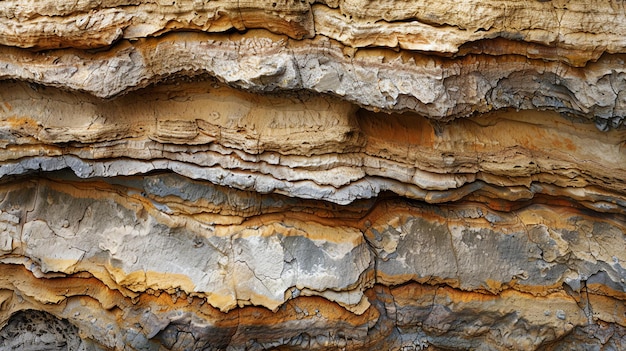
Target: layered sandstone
{"points": [[333, 175]]}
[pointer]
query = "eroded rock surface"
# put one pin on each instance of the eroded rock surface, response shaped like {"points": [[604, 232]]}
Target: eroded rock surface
{"points": [[332, 175]]}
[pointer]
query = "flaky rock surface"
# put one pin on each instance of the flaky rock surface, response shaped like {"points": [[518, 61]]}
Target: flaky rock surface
{"points": [[323, 175]]}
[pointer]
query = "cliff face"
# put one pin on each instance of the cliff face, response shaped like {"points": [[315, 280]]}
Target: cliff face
{"points": [[331, 175]]}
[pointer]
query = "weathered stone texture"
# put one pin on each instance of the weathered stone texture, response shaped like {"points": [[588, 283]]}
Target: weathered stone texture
{"points": [[326, 175]]}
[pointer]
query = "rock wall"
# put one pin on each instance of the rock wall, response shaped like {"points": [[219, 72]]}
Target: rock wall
{"points": [[328, 175]]}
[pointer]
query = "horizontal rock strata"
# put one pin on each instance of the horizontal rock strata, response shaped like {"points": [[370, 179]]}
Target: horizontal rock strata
{"points": [[439, 88], [333, 175], [442, 27]]}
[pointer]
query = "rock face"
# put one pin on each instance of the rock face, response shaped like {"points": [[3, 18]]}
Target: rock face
{"points": [[329, 175]]}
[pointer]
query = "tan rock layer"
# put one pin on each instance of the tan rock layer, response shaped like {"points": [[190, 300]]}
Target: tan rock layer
{"points": [[312, 146], [265, 255], [385, 274], [586, 29], [429, 317], [439, 88]]}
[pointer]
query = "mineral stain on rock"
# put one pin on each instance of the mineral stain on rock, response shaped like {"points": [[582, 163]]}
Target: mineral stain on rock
{"points": [[326, 175]]}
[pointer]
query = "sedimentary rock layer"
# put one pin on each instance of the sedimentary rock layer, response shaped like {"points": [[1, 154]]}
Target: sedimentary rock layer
{"points": [[558, 268], [376, 78], [311, 146], [333, 175], [580, 30]]}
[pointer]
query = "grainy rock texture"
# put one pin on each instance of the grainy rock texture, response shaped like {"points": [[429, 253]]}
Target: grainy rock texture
{"points": [[322, 175]]}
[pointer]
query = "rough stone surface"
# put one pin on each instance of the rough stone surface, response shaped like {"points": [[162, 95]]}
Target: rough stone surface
{"points": [[323, 175]]}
